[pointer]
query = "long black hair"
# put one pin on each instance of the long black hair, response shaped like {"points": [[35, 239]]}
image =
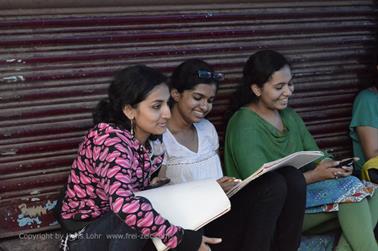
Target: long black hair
{"points": [[130, 86], [258, 69]]}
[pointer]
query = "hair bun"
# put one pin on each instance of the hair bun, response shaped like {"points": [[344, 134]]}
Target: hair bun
{"points": [[102, 111]]}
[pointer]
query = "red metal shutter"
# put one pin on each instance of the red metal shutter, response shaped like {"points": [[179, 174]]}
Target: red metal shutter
{"points": [[55, 64]]}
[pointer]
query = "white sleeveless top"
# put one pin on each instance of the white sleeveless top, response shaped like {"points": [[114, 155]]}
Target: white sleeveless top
{"points": [[184, 165]]}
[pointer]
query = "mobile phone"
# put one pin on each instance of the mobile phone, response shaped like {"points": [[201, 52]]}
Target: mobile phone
{"points": [[347, 162], [160, 183]]}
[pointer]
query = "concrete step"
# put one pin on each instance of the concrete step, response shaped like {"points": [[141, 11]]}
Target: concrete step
{"points": [[48, 241]]}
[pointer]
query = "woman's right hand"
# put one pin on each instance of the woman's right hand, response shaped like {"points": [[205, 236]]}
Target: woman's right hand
{"points": [[208, 240]]}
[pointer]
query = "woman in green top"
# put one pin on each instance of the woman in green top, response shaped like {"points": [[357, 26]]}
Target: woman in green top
{"points": [[264, 129], [363, 128]]}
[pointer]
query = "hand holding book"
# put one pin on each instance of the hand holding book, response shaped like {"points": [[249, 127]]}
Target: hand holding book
{"points": [[208, 240], [228, 183]]}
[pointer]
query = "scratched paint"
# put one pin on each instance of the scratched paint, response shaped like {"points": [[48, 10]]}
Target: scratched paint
{"points": [[14, 60], [50, 205], [27, 221], [12, 79], [32, 211], [30, 215]]}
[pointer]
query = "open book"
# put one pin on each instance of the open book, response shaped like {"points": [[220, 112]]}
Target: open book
{"points": [[190, 205], [297, 160]]}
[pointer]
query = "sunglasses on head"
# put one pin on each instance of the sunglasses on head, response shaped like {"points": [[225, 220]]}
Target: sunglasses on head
{"points": [[208, 75]]}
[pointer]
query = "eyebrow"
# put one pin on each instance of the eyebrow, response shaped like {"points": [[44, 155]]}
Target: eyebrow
{"points": [[159, 100], [197, 93], [282, 83]]}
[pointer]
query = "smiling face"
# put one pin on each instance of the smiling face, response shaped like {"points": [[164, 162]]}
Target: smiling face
{"points": [[151, 115], [275, 93], [193, 105]]}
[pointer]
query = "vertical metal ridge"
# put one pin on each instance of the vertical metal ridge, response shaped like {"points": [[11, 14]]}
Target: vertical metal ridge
{"points": [[57, 63]]}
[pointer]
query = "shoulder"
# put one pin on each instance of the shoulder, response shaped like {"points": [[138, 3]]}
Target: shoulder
{"points": [[242, 117], [207, 133], [112, 137], [365, 110], [103, 129], [365, 96], [168, 138], [367, 93], [243, 124], [365, 101], [205, 125]]}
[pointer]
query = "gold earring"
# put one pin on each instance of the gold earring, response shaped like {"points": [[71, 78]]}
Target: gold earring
{"points": [[132, 127]]}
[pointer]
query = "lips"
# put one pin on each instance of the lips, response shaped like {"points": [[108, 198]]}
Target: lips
{"points": [[199, 114], [284, 101], [163, 124]]}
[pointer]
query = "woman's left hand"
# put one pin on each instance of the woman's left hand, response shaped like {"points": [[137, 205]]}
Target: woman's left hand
{"points": [[327, 169], [343, 172]]}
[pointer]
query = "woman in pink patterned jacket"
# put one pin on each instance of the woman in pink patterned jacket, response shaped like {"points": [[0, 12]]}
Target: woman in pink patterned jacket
{"points": [[118, 157]]}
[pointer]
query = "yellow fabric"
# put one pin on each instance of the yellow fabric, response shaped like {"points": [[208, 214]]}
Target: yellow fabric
{"points": [[370, 164]]}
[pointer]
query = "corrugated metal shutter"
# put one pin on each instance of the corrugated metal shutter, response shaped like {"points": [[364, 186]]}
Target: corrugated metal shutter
{"points": [[56, 64]]}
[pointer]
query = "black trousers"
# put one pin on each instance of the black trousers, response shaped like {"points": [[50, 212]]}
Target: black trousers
{"points": [[109, 232], [265, 215]]}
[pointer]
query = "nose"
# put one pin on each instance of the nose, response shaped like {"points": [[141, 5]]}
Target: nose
{"points": [[288, 90], [166, 112], [204, 105]]}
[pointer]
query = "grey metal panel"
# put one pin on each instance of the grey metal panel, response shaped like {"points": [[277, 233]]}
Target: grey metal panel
{"points": [[55, 64]]}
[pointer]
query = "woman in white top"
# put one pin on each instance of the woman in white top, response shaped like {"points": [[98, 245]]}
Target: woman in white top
{"points": [[261, 208], [193, 164]]}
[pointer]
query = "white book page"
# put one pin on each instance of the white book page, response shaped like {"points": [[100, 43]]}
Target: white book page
{"points": [[190, 205], [297, 160]]}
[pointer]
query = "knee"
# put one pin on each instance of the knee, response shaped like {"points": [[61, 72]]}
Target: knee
{"points": [[294, 178], [274, 185]]}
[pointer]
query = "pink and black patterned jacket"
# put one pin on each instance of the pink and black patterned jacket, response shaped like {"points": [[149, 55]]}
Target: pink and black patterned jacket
{"points": [[110, 166]]}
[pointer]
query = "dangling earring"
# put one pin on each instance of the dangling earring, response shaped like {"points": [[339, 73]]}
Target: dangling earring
{"points": [[132, 127]]}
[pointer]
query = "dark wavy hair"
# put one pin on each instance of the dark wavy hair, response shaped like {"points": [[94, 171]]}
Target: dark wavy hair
{"points": [[258, 69], [130, 86], [185, 76]]}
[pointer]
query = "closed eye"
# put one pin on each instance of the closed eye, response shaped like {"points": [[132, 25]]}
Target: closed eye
{"points": [[279, 86], [197, 97], [157, 106]]}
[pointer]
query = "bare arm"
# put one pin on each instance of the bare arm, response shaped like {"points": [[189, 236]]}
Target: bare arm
{"points": [[368, 137]]}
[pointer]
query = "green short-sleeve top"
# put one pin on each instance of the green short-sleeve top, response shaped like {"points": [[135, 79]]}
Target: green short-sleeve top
{"points": [[365, 113]]}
